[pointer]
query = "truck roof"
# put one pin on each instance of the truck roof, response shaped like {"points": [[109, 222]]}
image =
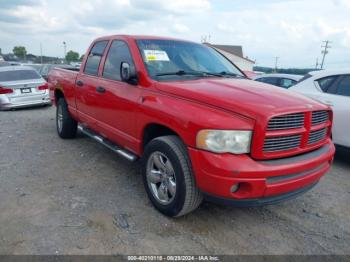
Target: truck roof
{"points": [[140, 37]]}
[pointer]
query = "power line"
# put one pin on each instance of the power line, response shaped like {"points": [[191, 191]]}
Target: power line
{"points": [[325, 51]]}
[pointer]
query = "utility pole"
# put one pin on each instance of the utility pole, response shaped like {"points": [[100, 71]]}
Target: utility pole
{"points": [[325, 51], [65, 50], [205, 38], [276, 62], [41, 53]]}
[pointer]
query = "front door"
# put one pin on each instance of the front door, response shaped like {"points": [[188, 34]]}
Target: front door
{"points": [[118, 101]]}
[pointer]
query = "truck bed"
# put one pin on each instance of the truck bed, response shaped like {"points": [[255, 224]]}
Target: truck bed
{"points": [[66, 79]]}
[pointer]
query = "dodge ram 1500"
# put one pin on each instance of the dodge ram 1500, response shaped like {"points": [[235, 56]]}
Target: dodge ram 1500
{"points": [[199, 126]]}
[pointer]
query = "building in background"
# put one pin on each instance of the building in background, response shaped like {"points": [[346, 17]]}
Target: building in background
{"points": [[235, 54]]}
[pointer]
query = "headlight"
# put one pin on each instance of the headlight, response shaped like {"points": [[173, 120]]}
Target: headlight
{"points": [[224, 141]]}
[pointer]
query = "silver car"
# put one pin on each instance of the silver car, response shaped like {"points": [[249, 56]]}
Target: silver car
{"points": [[22, 86]]}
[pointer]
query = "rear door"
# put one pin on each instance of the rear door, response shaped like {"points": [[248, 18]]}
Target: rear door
{"points": [[86, 83], [117, 101]]}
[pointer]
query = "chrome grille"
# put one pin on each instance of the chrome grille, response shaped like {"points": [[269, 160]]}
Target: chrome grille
{"points": [[286, 122], [281, 143], [319, 117], [317, 136]]}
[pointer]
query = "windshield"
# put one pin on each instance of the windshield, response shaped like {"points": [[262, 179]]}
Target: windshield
{"points": [[171, 59], [17, 75]]}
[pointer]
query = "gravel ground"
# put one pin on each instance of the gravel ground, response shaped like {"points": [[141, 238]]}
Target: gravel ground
{"points": [[77, 197]]}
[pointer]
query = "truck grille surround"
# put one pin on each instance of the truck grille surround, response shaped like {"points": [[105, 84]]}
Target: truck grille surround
{"points": [[295, 133]]}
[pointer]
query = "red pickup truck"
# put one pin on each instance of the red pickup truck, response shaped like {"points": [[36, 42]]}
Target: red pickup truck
{"points": [[199, 126]]}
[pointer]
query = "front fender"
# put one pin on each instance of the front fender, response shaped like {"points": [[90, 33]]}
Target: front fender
{"points": [[186, 117]]}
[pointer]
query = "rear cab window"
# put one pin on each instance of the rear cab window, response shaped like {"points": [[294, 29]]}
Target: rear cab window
{"points": [[18, 75], [94, 58]]}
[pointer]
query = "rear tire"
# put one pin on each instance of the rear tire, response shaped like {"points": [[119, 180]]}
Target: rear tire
{"points": [[66, 125], [176, 194]]}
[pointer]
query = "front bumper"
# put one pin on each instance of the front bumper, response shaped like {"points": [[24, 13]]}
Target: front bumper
{"points": [[217, 175], [258, 201]]}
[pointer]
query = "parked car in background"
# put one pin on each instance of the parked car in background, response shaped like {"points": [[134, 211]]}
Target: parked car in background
{"points": [[331, 87], [14, 63], [76, 64], [45, 69], [22, 86], [37, 67], [281, 80], [4, 63]]}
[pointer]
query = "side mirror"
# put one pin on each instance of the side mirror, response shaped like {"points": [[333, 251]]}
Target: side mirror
{"points": [[128, 73]]}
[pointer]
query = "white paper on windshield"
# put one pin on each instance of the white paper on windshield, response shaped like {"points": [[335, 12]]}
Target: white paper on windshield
{"points": [[156, 55]]}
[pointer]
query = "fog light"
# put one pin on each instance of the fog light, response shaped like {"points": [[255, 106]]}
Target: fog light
{"points": [[234, 188]]}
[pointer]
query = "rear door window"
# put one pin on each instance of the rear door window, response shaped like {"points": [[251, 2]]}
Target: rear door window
{"points": [[94, 59], [17, 75]]}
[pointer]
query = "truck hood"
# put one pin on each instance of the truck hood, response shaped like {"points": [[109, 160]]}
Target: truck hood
{"points": [[245, 97]]}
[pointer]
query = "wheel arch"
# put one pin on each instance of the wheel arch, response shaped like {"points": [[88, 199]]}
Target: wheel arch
{"points": [[58, 94], [154, 130]]}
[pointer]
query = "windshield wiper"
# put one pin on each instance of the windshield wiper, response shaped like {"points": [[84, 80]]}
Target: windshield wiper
{"points": [[200, 73], [195, 73], [180, 73], [224, 73]]}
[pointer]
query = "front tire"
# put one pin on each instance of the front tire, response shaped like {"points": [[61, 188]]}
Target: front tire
{"points": [[66, 125], [168, 177]]}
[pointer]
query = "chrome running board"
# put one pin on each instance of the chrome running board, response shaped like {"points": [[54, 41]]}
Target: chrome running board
{"points": [[115, 148]]}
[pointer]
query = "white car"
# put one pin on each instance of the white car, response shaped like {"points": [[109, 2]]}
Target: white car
{"points": [[331, 87]]}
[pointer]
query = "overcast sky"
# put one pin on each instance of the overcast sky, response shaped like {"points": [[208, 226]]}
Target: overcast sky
{"points": [[290, 29]]}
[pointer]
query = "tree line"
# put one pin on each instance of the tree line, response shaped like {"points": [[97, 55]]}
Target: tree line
{"points": [[71, 56]]}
